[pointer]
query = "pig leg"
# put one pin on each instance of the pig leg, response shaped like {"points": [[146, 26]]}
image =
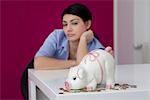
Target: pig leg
{"points": [[110, 75], [92, 85]]}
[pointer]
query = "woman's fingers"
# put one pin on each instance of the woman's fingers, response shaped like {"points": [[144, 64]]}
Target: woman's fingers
{"points": [[88, 35]]}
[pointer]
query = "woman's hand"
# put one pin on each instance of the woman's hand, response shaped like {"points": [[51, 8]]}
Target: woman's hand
{"points": [[109, 49], [88, 35]]}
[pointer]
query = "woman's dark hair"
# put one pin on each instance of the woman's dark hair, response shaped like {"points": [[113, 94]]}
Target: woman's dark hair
{"points": [[79, 10]]}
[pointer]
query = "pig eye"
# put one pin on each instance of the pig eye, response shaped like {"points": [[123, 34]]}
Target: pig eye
{"points": [[74, 78]]}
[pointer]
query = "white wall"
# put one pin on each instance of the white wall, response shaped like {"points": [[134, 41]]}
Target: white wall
{"points": [[132, 31], [142, 31]]}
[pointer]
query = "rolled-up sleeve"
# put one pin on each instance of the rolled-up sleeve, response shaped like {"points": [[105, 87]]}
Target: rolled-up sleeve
{"points": [[48, 48]]}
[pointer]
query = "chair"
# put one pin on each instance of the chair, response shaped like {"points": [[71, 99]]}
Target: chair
{"points": [[24, 80]]}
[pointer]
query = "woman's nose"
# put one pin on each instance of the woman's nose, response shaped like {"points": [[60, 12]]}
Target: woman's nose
{"points": [[69, 28]]}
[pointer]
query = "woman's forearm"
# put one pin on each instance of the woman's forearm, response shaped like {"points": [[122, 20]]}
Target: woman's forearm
{"points": [[82, 49], [52, 63]]}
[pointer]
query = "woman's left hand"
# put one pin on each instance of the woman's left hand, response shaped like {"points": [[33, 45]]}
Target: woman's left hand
{"points": [[88, 35], [109, 49]]}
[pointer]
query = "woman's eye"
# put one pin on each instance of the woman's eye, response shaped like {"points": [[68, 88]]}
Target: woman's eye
{"points": [[74, 23], [64, 24]]}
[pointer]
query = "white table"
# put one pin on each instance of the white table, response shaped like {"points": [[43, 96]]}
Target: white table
{"points": [[49, 82]]}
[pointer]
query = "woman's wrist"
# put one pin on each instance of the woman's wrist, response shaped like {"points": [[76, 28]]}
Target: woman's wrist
{"points": [[83, 39], [72, 63]]}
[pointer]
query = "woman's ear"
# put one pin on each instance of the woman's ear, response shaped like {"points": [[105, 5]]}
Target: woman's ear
{"points": [[88, 24]]}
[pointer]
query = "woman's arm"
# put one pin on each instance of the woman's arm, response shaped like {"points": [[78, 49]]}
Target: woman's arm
{"points": [[82, 50], [52, 63]]}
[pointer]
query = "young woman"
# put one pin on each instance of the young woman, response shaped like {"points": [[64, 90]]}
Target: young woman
{"points": [[66, 47]]}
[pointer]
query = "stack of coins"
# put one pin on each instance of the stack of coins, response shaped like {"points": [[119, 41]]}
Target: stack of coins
{"points": [[117, 86]]}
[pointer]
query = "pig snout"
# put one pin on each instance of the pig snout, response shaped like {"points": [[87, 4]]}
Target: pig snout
{"points": [[67, 86]]}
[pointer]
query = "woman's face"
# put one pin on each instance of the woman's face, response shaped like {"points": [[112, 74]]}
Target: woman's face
{"points": [[73, 27]]}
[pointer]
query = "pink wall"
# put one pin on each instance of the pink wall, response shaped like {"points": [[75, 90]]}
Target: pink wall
{"points": [[25, 25], [125, 32]]}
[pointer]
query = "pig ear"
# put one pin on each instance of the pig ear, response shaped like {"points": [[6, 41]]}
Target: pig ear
{"points": [[72, 70], [81, 73]]}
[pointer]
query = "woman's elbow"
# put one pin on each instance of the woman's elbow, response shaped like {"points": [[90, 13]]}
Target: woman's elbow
{"points": [[37, 63]]}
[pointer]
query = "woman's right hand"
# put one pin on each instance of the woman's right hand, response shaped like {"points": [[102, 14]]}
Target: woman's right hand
{"points": [[88, 35]]}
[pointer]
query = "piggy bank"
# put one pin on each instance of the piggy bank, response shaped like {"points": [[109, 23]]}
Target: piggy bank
{"points": [[96, 67]]}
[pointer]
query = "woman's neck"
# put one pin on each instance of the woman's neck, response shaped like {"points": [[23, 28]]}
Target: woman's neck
{"points": [[73, 44]]}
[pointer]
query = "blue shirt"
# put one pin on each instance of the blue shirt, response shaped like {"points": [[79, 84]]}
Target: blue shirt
{"points": [[56, 45]]}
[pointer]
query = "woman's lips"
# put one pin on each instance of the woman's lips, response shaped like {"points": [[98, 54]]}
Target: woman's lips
{"points": [[70, 35]]}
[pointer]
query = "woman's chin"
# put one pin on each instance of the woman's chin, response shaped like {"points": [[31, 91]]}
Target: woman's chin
{"points": [[73, 39]]}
